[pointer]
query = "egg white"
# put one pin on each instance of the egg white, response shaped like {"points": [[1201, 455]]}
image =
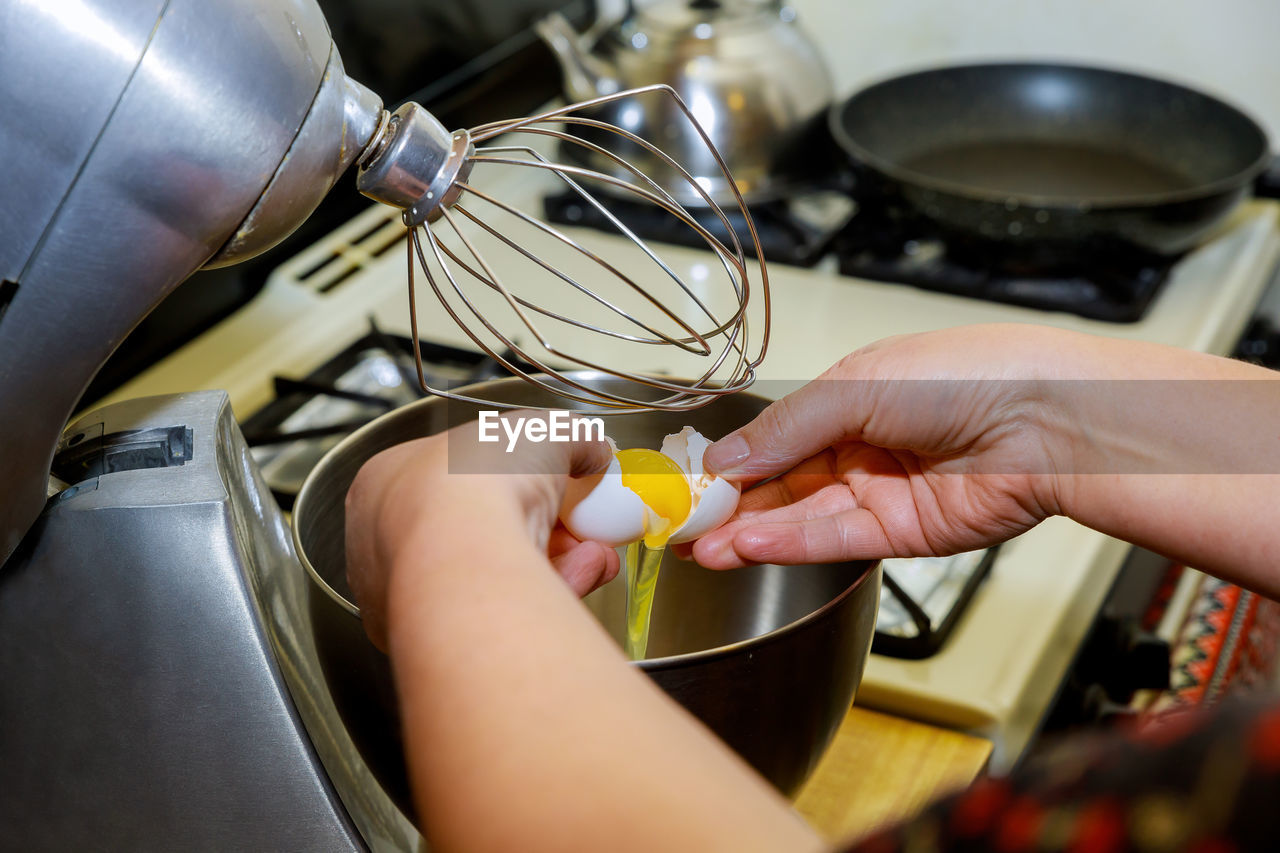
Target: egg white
{"points": [[602, 509]]}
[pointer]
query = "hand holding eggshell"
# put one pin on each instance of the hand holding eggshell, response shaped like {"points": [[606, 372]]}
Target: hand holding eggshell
{"points": [[606, 509]]}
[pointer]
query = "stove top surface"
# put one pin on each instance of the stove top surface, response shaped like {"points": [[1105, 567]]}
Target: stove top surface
{"points": [[796, 231], [319, 301]]}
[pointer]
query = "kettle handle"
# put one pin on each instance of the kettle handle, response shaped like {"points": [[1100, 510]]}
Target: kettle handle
{"points": [[609, 14], [1267, 183]]}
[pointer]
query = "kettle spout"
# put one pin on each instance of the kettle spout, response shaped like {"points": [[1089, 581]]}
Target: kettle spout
{"points": [[585, 76]]}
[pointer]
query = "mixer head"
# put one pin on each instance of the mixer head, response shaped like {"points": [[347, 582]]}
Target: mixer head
{"points": [[157, 153], [537, 299]]}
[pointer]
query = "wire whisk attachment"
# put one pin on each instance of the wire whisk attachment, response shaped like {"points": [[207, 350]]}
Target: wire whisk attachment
{"points": [[543, 301]]}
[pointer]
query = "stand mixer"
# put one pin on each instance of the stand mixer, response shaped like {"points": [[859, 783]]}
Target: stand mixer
{"points": [[161, 690]]}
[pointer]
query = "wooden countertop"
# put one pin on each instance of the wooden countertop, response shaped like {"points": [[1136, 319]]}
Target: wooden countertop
{"points": [[882, 769]]}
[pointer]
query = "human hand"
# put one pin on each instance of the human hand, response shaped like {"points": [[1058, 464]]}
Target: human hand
{"points": [[918, 445], [514, 495], [492, 655]]}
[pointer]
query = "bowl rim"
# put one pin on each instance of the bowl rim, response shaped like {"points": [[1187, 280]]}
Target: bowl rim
{"points": [[669, 662], [867, 567]]}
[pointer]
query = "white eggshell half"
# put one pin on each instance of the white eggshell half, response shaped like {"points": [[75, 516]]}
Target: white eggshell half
{"points": [[601, 509], [714, 498], [715, 504]]}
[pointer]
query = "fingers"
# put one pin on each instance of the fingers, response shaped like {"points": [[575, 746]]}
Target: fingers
{"points": [[586, 566], [855, 534], [587, 457], [822, 413], [807, 478], [405, 481], [535, 472], [717, 550], [814, 476], [852, 535], [931, 392], [584, 569]]}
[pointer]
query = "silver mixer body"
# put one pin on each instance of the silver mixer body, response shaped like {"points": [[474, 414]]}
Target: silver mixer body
{"points": [[144, 139], [160, 136], [159, 690], [161, 685], [162, 689]]}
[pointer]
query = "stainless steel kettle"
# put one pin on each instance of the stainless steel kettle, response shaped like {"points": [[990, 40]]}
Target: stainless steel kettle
{"points": [[748, 72]]}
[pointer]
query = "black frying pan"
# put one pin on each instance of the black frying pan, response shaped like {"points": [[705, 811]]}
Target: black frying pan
{"points": [[1053, 158]]}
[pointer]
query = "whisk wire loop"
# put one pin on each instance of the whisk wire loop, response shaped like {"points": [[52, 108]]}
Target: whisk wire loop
{"points": [[453, 245], [665, 201], [703, 349]]}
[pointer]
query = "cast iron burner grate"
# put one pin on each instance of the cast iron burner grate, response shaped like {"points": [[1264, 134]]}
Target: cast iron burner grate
{"points": [[370, 377], [922, 599], [883, 244], [795, 231]]}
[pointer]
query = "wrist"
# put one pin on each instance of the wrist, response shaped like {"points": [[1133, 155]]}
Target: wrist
{"points": [[1060, 410], [458, 512], [1136, 408], [450, 558]]}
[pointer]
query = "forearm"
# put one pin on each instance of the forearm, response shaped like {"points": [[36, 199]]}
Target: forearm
{"points": [[525, 728], [1179, 452]]}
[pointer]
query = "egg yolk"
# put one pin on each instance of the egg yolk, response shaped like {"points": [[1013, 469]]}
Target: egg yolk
{"points": [[660, 483]]}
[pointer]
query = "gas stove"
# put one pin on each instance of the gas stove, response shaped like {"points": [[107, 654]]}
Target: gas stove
{"points": [[883, 244], [1009, 647], [367, 378], [879, 243]]}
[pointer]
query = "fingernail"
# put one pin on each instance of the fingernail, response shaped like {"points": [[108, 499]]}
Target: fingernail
{"points": [[727, 453], [717, 552], [760, 545]]}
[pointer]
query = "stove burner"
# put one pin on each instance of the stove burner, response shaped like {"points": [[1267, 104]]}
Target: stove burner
{"points": [[885, 244], [370, 377], [792, 231], [921, 600]]}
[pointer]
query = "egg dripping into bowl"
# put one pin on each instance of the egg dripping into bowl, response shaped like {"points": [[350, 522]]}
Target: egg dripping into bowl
{"points": [[661, 497], [645, 500]]}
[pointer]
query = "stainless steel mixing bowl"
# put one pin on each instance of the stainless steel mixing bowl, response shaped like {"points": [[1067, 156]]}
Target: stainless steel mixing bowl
{"points": [[767, 657]]}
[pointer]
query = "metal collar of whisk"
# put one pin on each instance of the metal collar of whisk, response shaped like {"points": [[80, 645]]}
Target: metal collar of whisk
{"points": [[415, 164]]}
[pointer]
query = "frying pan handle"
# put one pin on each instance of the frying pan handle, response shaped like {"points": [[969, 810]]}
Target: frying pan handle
{"points": [[1267, 184]]}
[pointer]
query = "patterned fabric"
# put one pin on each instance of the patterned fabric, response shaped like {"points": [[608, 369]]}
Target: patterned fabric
{"points": [[1184, 779], [1227, 644], [1200, 782]]}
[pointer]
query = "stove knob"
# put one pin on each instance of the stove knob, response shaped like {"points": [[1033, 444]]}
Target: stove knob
{"points": [[1260, 343], [1098, 707], [1148, 661]]}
